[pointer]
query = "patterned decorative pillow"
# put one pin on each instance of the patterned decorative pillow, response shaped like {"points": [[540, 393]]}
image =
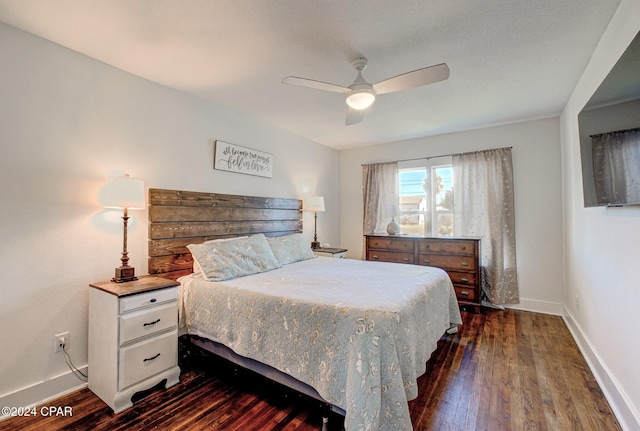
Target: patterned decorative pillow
{"points": [[223, 260], [196, 266], [290, 248]]}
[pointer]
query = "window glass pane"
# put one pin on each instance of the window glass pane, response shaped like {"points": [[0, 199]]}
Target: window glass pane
{"points": [[443, 192], [412, 200], [444, 197], [426, 198]]}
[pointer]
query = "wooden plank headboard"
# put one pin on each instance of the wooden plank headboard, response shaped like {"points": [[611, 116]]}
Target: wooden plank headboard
{"points": [[178, 218]]}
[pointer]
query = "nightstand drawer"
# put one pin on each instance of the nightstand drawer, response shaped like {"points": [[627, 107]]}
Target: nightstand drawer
{"points": [[143, 360], [149, 321], [148, 299]]}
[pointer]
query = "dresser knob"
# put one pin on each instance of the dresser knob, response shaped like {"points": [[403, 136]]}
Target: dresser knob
{"points": [[464, 292], [405, 259], [375, 257], [426, 261], [464, 279], [464, 263]]}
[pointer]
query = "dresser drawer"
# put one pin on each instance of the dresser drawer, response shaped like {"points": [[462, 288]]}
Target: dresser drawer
{"points": [[446, 247], [148, 299], [395, 244], [142, 360], [147, 321], [465, 293], [451, 262], [389, 256], [462, 278]]}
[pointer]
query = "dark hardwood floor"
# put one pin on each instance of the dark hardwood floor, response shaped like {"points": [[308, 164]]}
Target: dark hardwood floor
{"points": [[504, 370]]}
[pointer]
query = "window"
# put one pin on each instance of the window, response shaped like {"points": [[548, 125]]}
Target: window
{"points": [[426, 199]]}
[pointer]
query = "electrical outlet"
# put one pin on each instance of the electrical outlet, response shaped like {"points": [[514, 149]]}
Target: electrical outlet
{"points": [[61, 341]]}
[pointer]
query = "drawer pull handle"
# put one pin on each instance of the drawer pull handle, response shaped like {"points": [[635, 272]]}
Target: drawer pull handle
{"points": [[406, 259], [464, 292], [151, 358], [151, 323], [153, 300], [464, 279], [375, 257], [464, 248], [426, 261], [464, 263]]}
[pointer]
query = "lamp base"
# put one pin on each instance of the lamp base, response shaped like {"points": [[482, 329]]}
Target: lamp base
{"points": [[124, 274], [315, 245]]}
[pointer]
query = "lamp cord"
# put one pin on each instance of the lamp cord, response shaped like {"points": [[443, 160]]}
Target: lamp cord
{"points": [[73, 368]]}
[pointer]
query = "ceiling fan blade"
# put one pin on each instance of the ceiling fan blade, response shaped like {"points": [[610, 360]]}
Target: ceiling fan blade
{"points": [[354, 116], [318, 85], [417, 78]]}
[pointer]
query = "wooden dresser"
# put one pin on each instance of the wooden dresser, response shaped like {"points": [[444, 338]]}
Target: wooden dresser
{"points": [[460, 257]]}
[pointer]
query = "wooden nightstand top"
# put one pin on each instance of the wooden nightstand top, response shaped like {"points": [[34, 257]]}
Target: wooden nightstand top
{"points": [[143, 284], [330, 250]]}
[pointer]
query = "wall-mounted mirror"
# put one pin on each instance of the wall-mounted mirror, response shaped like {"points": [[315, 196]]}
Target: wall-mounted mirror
{"points": [[614, 107]]}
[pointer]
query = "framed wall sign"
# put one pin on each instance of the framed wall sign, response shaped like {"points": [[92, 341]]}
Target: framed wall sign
{"points": [[234, 158]]}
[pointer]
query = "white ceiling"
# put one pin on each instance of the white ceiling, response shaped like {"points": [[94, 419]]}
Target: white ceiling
{"points": [[510, 60]]}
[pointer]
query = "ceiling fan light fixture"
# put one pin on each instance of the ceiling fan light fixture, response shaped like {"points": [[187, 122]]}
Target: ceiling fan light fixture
{"points": [[361, 99]]}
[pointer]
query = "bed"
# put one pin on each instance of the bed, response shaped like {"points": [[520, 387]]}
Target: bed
{"points": [[354, 334]]}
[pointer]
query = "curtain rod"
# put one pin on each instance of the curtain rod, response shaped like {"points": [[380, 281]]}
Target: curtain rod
{"points": [[435, 157], [617, 131]]}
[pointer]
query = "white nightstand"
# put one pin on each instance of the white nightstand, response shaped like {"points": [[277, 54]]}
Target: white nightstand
{"points": [[340, 253], [133, 338]]}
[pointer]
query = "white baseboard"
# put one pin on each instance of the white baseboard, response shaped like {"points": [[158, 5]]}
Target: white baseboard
{"points": [[622, 407], [40, 393], [538, 306]]}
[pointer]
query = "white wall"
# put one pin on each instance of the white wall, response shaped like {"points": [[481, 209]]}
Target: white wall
{"points": [[537, 178], [66, 123], [602, 247]]}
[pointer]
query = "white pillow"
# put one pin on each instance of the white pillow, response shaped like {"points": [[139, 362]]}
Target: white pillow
{"points": [[237, 257], [290, 248], [196, 266]]}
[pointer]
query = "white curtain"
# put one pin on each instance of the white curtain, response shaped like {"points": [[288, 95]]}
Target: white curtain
{"points": [[616, 157], [484, 207], [380, 197]]}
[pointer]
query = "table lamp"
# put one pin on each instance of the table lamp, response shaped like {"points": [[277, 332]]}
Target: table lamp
{"points": [[128, 194], [315, 204]]}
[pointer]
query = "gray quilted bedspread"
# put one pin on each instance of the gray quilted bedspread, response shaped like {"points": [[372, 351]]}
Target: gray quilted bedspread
{"points": [[359, 332]]}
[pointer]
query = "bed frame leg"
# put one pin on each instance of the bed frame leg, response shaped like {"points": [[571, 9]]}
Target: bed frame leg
{"points": [[326, 411], [325, 421]]}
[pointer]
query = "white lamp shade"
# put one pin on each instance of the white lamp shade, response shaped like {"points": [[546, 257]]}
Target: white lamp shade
{"points": [[314, 203], [124, 192]]}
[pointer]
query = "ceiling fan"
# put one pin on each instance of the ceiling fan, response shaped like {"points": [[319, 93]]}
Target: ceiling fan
{"points": [[360, 95]]}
